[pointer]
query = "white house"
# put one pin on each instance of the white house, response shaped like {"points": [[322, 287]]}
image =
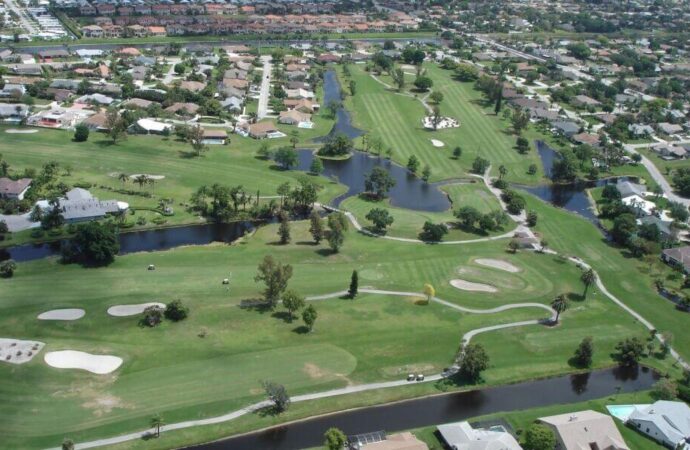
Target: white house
{"points": [[14, 189], [665, 422], [461, 436]]}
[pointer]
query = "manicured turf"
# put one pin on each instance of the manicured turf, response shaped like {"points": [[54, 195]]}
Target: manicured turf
{"points": [[627, 278], [397, 118], [408, 223], [173, 371]]}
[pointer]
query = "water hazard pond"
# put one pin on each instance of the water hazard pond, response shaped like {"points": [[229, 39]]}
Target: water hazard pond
{"points": [[444, 408]]}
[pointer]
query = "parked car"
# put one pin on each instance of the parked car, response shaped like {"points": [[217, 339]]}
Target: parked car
{"points": [[411, 377], [420, 377]]}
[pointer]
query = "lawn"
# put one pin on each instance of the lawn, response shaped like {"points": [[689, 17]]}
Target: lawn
{"points": [[373, 338], [99, 163], [397, 120], [629, 279]]}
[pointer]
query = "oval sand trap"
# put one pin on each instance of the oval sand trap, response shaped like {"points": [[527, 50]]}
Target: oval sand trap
{"points": [[131, 310], [437, 143], [16, 131], [153, 177], [72, 359], [469, 286], [497, 264], [62, 314]]}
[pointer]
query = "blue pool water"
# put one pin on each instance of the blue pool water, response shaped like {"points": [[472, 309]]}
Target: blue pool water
{"points": [[621, 412]]}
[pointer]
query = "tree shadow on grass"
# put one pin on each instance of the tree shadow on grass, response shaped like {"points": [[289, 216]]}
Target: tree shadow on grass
{"points": [[186, 154], [302, 329], [325, 252], [575, 297], [255, 304], [103, 143], [268, 411], [309, 243], [284, 316]]}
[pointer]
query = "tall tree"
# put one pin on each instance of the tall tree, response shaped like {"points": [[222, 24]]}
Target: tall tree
{"points": [[293, 302], [195, 138], [335, 439], [584, 353], [354, 284], [115, 124], [123, 179], [277, 394], [473, 361], [276, 276], [309, 316], [284, 228], [316, 226]]}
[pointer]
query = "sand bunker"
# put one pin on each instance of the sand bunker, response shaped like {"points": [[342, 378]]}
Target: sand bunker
{"points": [[71, 359], [153, 177], [131, 310], [62, 314], [497, 264], [16, 351], [16, 131], [437, 143], [469, 286]]}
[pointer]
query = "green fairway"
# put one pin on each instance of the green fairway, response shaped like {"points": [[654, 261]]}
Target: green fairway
{"points": [[172, 370], [397, 120]]}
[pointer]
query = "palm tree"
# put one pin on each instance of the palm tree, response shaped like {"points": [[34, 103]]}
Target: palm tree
{"points": [[141, 180], [123, 177], [588, 278], [157, 423], [152, 182], [502, 171], [559, 304]]}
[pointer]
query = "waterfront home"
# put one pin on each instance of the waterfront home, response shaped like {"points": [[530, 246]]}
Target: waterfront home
{"points": [[677, 257], [461, 436], [78, 205], [664, 421], [585, 430]]}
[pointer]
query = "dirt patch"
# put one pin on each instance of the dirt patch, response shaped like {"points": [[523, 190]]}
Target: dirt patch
{"points": [[103, 404], [403, 371], [465, 285], [317, 373]]}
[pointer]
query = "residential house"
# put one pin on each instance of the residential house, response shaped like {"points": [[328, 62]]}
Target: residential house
{"points": [[293, 117], [664, 226], [667, 151], [194, 86], [214, 137], [12, 90], [98, 99], [669, 128], [13, 112], [258, 130], [92, 31], [79, 205], [585, 430], [666, 422], [628, 189], [150, 126], [583, 101], [639, 129], [299, 94], [301, 105], [640, 206], [677, 257], [461, 436], [97, 122], [543, 114], [566, 127], [232, 104], [137, 103], [183, 109], [14, 189], [399, 441]]}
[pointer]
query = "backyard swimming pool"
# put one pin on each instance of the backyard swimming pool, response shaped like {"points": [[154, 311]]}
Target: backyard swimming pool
{"points": [[622, 412]]}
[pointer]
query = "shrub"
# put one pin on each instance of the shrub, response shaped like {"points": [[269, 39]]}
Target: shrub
{"points": [[153, 316], [176, 311]]}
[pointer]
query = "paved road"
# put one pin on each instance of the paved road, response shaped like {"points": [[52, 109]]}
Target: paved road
{"points": [[23, 17], [656, 174], [170, 75], [265, 91]]}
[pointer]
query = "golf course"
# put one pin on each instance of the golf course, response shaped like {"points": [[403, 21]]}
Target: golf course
{"points": [[215, 361]]}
